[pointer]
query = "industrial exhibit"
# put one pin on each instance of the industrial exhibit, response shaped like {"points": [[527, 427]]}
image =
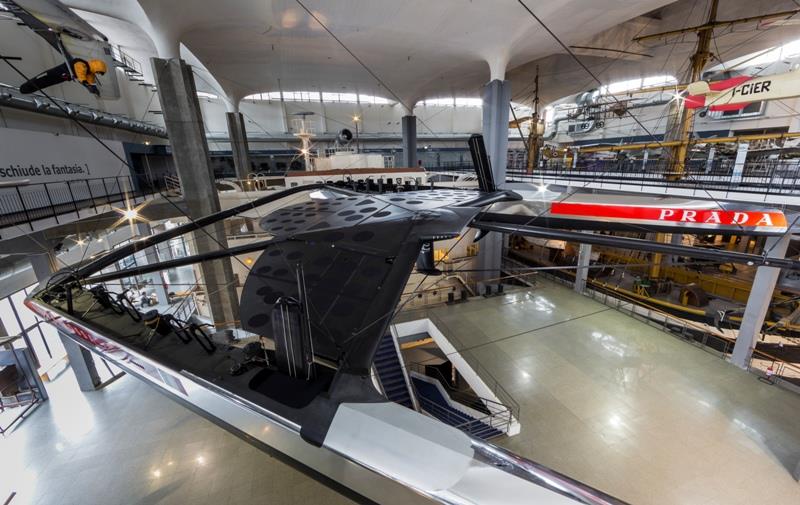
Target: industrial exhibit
{"points": [[294, 251]]}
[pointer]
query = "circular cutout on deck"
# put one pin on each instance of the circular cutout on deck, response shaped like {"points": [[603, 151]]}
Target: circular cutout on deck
{"points": [[294, 255], [367, 210], [346, 213], [382, 213], [258, 320], [414, 202], [353, 218]]}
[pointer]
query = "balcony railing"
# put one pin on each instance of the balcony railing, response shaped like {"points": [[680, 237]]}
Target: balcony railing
{"points": [[780, 177], [23, 204]]}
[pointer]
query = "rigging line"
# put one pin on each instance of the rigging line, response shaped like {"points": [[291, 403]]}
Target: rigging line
{"points": [[113, 153], [649, 134], [132, 176], [360, 62]]}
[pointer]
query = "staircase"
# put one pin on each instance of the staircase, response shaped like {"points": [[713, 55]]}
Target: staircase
{"points": [[390, 372], [130, 66], [432, 401]]}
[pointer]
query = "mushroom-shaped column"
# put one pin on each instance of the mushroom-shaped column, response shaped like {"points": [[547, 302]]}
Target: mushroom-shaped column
{"points": [[496, 101]]}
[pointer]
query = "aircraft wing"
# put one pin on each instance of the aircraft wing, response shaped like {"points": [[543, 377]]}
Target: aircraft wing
{"points": [[36, 25]]}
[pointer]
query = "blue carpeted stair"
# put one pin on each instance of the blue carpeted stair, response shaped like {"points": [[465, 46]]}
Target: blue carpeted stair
{"points": [[431, 400], [390, 373]]}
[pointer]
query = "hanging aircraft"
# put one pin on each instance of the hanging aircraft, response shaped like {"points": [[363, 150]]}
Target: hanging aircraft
{"points": [[738, 92], [85, 53]]}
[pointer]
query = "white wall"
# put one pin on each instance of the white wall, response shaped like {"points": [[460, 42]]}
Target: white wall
{"points": [[264, 116], [48, 157]]}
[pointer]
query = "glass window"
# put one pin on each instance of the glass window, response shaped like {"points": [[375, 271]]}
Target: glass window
{"points": [[468, 102], [26, 316], [50, 334], [37, 341], [8, 317]]}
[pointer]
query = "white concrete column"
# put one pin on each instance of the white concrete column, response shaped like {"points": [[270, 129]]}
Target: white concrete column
{"points": [[738, 164], [582, 272], [496, 101], [80, 359], [758, 302]]}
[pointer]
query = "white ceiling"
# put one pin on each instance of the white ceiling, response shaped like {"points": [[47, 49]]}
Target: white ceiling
{"points": [[416, 48]]}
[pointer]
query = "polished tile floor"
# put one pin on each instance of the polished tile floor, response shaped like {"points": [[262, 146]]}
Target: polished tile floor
{"points": [[129, 445], [605, 399], [629, 409]]}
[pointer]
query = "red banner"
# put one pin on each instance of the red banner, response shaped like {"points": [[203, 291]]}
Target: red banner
{"points": [[671, 215]]}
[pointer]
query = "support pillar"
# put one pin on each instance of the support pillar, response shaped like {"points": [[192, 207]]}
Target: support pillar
{"points": [[80, 359], [184, 122], [744, 244], [738, 164], [496, 102], [676, 239], [151, 255], [409, 126], [758, 302], [239, 148], [582, 272]]}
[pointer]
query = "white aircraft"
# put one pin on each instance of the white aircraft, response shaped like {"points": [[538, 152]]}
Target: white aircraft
{"points": [[738, 92]]}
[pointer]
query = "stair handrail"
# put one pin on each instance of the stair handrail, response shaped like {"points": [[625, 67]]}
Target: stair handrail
{"points": [[499, 422], [454, 393], [481, 371]]}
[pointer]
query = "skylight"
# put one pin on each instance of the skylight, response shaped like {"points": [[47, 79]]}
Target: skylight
{"points": [[316, 96], [638, 83]]}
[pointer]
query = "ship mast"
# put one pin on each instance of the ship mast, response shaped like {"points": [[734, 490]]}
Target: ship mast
{"points": [[699, 60], [305, 132], [534, 132]]}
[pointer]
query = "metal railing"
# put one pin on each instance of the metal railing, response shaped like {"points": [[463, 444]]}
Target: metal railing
{"points": [[769, 177], [769, 368], [22, 204], [475, 426], [498, 416], [470, 400], [480, 370]]}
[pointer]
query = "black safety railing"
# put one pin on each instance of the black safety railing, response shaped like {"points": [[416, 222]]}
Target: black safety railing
{"points": [[767, 177], [767, 367], [477, 366], [22, 204]]}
